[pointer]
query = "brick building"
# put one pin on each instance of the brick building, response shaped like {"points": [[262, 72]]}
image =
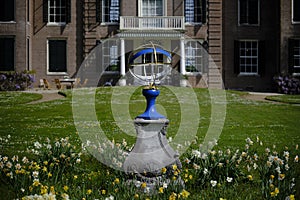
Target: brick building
{"points": [[249, 41]]}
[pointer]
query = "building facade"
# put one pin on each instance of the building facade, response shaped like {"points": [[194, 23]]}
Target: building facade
{"points": [[248, 41]]}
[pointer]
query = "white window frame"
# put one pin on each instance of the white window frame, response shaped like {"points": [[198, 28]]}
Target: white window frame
{"points": [[193, 22], [61, 23], [244, 24], [48, 61], [244, 72], [140, 6], [292, 9], [296, 57], [197, 55], [103, 22], [111, 54]]}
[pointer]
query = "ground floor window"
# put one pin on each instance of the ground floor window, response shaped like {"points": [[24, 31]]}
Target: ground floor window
{"points": [[249, 57], [294, 56], [111, 54], [193, 57], [57, 56], [7, 53]]}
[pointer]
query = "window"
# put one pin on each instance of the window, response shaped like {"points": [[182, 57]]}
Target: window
{"points": [[7, 53], [57, 56], [294, 56], [57, 12], [111, 56], [248, 12], [193, 57], [108, 11], [195, 11], [151, 8], [7, 10], [249, 57], [296, 11]]}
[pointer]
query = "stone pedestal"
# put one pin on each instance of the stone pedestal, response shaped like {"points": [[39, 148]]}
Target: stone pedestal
{"points": [[151, 152]]}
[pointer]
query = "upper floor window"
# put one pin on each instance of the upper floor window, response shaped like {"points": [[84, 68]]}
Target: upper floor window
{"points": [[7, 53], [108, 11], [57, 56], [7, 10], [294, 56], [57, 11], [249, 57], [193, 57], [296, 11], [151, 8], [249, 12], [195, 11]]}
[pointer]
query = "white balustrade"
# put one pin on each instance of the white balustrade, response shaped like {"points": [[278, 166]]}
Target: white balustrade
{"points": [[153, 23]]}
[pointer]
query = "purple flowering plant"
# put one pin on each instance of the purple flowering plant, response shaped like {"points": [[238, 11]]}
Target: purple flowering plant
{"points": [[287, 84], [16, 81]]}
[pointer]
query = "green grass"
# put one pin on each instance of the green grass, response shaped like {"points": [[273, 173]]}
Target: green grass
{"points": [[292, 99], [274, 124]]}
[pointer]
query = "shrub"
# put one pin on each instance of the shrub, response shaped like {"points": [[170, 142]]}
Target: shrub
{"points": [[16, 81], [287, 84]]}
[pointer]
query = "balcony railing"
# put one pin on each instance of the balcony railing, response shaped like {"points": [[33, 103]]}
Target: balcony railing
{"points": [[153, 23]]}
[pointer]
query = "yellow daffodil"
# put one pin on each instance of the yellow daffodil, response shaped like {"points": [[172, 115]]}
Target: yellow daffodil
{"points": [[164, 170], [161, 190], [52, 190], [250, 178], [117, 181], [143, 185], [173, 196], [281, 176], [89, 191], [103, 192], [292, 197], [174, 167], [185, 194], [136, 196], [44, 190], [66, 188], [45, 169], [75, 176]]}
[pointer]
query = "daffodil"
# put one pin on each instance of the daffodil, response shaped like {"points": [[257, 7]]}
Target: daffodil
{"points": [[89, 191], [66, 188], [250, 178], [164, 170], [117, 181], [143, 185], [185, 194], [136, 196], [161, 190]]}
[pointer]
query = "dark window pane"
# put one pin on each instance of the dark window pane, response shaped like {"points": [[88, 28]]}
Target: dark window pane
{"points": [[253, 11], [7, 54], [249, 10], [243, 11], [7, 10], [296, 11], [57, 56]]}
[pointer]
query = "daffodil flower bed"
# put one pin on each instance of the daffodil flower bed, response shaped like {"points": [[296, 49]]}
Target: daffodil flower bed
{"points": [[59, 170]]}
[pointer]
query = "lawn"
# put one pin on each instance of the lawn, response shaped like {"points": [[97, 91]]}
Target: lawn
{"points": [[266, 125]]}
